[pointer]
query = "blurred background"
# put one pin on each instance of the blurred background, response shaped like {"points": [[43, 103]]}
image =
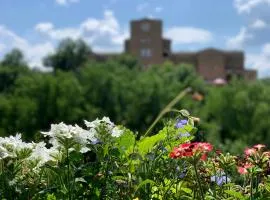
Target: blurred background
{"points": [[70, 60]]}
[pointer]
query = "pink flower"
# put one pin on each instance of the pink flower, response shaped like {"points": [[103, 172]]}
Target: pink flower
{"points": [[204, 146], [218, 152], [259, 146], [243, 169], [250, 151], [267, 154]]}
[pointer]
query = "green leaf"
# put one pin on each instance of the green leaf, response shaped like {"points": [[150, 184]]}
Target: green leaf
{"points": [[146, 144], [184, 113], [145, 182], [187, 190], [190, 122], [235, 194], [51, 197], [126, 142], [267, 186], [80, 180], [190, 129]]}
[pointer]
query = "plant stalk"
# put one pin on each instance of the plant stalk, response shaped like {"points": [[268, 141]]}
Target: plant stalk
{"points": [[198, 180], [168, 108]]}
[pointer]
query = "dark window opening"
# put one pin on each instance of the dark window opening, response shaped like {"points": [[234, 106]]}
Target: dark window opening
{"points": [[165, 54]]}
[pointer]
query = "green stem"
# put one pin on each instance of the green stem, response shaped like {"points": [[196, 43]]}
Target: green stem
{"points": [[198, 180], [168, 108], [215, 172], [257, 183], [68, 175], [251, 187], [226, 174]]}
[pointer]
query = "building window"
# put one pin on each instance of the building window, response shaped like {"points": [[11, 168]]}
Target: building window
{"points": [[165, 54], [145, 27], [145, 41], [146, 53]]}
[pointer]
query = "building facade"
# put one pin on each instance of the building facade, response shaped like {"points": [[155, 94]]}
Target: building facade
{"points": [[147, 44]]}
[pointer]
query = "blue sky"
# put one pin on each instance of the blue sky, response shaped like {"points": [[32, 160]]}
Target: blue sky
{"points": [[36, 26]]}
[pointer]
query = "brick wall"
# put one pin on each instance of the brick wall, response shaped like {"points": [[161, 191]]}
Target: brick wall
{"points": [[211, 64], [146, 34]]}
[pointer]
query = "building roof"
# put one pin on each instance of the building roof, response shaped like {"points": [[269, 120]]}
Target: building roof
{"points": [[147, 19]]}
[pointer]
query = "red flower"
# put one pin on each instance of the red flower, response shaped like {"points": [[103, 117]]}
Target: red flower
{"points": [[190, 149], [175, 153], [204, 156]]}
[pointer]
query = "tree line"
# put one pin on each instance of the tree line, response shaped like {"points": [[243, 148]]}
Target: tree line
{"points": [[82, 88]]}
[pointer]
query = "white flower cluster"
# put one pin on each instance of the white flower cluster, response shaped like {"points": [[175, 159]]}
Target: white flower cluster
{"points": [[38, 152], [11, 146], [110, 126], [96, 123], [60, 132]]}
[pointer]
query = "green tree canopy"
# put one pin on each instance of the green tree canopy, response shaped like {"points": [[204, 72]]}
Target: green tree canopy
{"points": [[69, 55], [15, 58]]}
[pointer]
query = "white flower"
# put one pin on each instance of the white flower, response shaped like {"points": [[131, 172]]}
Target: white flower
{"points": [[83, 136], [96, 123], [93, 124], [116, 132], [75, 133], [110, 126], [84, 149], [59, 130], [12, 182], [42, 153], [12, 145], [3, 153], [16, 142], [108, 121], [71, 149]]}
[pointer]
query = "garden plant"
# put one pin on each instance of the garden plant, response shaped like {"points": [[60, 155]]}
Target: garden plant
{"points": [[106, 161]]}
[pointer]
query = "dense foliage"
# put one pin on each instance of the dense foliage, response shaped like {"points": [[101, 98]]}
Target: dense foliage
{"points": [[232, 116], [105, 161]]}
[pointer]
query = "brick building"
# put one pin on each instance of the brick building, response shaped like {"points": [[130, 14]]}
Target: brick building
{"points": [[149, 47]]}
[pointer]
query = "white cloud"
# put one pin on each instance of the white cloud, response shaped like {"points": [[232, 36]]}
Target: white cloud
{"points": [[258, 24], [266, 50], [238, 41], [151, 16], [260, 61], [33, 52], [102, 34], [36, 52], [66, 2], [245, 6], [141, 7], [255, 32], [158, 9], [44, 27], [57, 34], [188, 35]]}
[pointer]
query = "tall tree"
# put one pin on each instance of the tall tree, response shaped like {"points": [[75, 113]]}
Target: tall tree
{"points": [[15, 58], [69, 55]]}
